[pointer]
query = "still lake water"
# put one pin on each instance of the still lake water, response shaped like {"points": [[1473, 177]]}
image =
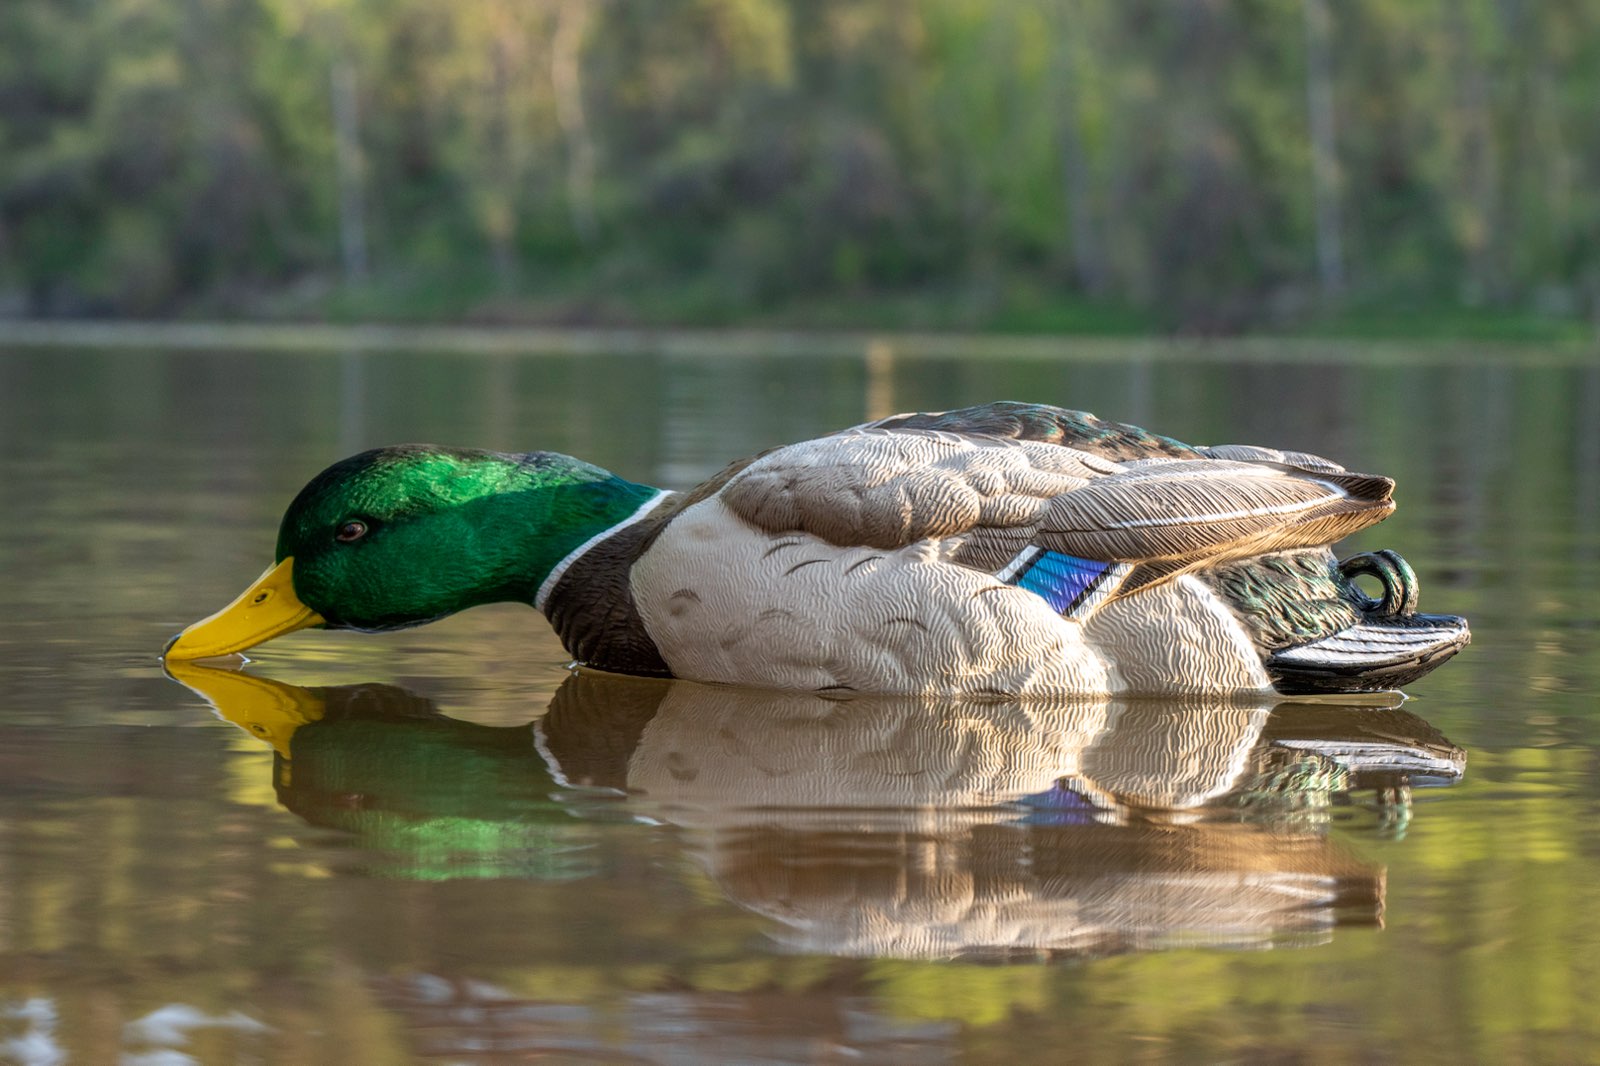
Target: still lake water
{"points": [[441, 846]]}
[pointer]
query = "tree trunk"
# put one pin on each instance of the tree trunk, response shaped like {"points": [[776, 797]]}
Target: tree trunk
{"points": [[1324, 149], [566, 75], [1088, 262], [348, 163], [1480, 167]]}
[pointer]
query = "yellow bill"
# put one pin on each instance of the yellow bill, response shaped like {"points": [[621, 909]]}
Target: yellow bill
{"points": [[269, 608]]}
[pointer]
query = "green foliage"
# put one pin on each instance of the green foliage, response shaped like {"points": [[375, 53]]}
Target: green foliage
{"points": [[1079, 164]]}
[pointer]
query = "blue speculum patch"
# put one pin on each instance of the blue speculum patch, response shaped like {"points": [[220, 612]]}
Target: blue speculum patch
{"points": [[1067, 583]]}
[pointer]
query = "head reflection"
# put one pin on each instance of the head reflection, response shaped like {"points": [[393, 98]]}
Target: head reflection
{"points": [[882, 827]]}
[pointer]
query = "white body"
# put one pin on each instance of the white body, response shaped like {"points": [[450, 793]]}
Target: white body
{"points": [[724, 601]]}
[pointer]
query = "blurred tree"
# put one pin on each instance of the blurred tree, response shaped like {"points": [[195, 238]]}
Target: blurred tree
{"points": [[1218, 163], [1087, 255], [1324, 148]]}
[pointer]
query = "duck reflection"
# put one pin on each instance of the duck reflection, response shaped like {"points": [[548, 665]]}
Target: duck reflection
{"points": [[883, 827], [429, 797]]}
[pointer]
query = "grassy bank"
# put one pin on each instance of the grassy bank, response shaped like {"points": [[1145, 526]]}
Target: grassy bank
{"points": [[1012, 305], [762, 343]]}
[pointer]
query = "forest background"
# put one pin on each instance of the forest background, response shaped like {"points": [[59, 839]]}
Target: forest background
{"points": [[1404, 167]]}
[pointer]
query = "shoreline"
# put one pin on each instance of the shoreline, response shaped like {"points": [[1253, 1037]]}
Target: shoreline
{"points": [[534, 341]]}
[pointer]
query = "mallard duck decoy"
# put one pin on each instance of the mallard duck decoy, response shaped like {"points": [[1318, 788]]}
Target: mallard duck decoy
{"points": [[1008, 549]]}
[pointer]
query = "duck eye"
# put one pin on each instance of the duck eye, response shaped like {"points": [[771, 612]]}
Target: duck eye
{"points": [[351, 530]]}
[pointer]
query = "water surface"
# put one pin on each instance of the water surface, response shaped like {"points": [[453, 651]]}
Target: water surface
{"points": [[443, 846]]}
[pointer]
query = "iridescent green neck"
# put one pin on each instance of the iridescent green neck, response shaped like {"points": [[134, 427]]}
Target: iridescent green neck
{"points": [[443, 530]]}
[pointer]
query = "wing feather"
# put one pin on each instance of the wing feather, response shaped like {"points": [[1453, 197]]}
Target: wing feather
{"points": [[888, 489], [987, 498], [1046, 424], [1171, 517]]}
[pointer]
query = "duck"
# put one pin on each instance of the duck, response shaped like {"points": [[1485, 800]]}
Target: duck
{"points": [[997, 551]]}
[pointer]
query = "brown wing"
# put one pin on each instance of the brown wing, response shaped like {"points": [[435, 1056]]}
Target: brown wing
{"points": [[1169, 517], [1047, 425], [1254, 453], [890, 487]]}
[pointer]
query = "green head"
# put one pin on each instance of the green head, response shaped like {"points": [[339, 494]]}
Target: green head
{"points": [[400, 536]]}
